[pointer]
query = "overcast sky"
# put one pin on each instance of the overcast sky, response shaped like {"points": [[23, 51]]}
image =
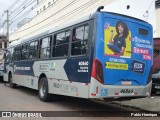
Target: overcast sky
{"points": [[4, 4], [16, 11]]}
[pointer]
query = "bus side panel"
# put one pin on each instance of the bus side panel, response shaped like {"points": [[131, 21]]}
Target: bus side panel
{"points": [[59, 79]]}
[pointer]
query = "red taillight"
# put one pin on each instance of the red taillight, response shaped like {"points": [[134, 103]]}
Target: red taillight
{"points": [[97, 70]]}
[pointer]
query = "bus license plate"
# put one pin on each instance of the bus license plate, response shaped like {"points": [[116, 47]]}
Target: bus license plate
{"points": [[126, 91]]}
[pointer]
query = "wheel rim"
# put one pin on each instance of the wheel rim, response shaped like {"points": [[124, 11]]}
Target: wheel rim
{"points": [[42, 90]]}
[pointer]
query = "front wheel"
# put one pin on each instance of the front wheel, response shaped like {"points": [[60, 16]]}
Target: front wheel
{"points": [[43, 90], [11, 84]]}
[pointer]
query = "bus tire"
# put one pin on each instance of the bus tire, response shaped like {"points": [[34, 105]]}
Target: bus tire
{"points": [[11, 84], [43, 90]]}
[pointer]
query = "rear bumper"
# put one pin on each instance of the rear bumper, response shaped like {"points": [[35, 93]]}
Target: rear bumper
{"points": [[97, 90]]}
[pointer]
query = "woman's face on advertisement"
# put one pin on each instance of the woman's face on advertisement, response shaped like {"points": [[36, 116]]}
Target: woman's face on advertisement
{"points": [[120, 28]]}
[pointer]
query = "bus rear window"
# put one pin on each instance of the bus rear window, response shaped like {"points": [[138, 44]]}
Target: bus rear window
{"points": [[143, 31]]}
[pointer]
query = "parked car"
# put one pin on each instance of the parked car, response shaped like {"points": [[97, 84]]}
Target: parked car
{"points": [[156, 67]]}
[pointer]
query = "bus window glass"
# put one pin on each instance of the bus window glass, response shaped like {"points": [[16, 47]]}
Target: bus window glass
{"points": [[12, 54], [80, 33], [36, 45], [8, 55], [45, 42], [24, 55], [60, 38], [45, 48], [143, 31], [79, 40], [86, 33], [33, 50], [60, 47], [17, 53], [31, 47]]}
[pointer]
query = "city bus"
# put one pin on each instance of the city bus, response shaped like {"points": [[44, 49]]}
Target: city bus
{"points": [[100, 55]]}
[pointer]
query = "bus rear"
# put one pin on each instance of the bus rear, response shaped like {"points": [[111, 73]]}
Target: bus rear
{"points": [[122, 58]]}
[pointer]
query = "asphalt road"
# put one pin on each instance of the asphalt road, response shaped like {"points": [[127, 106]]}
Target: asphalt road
{"points": [[24, 99]]}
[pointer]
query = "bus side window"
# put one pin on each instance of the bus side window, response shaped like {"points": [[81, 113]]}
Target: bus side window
{"points": [[17, 53], [24, 55], [12, 54], [45, 48], [33, 50], [61, 44], [79, 40], [7, 56]]}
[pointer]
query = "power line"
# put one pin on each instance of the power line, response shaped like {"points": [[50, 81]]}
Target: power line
{"points": [[21, 5], [66, 15], [24, 7], [49, 16], [24, 2], [72, 12], [24, 15], [13, 4], [145, 15], [31, 9], [28, 11]]}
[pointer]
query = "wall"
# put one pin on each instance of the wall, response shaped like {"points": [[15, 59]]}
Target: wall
{"points": [[158, 23]]}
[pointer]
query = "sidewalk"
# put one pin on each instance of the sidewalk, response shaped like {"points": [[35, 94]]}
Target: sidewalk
{"points": [[150, 103]]}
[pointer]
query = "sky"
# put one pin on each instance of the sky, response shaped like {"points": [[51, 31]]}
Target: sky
{"points": [[6, 4]]}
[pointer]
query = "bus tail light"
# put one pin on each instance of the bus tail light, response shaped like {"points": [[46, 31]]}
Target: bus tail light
{"points": [[97, 71]]}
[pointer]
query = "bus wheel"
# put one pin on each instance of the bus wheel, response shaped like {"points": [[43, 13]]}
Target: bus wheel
{"points": [[43, 90], [12, 85]]}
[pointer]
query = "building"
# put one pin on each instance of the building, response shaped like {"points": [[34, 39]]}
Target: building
{"points": [[51, 13], [158, 18], [3, 42], [42, 5]]}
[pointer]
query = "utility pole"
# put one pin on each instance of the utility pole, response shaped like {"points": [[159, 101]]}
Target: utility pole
{"points": [[7, 28], [7, 21]]}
